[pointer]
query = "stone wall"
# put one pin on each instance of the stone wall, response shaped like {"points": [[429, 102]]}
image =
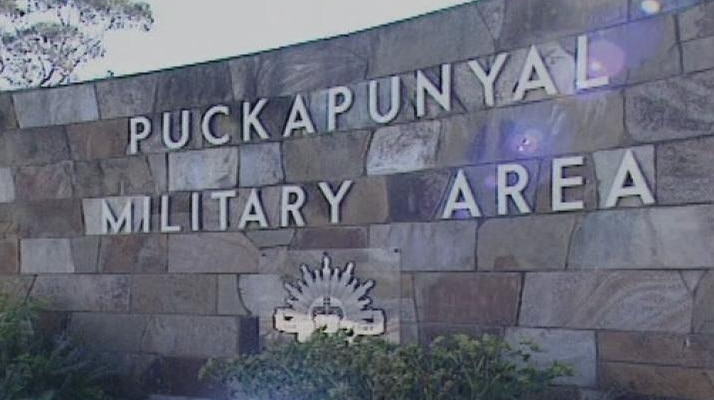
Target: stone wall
{"points": [[625, 293]]}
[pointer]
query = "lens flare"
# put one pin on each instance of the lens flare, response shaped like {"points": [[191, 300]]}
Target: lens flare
{"points": [[527, 142], [651, 6], [606, 58]]}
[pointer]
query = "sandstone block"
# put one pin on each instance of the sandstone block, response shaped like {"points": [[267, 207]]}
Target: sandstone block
{"points": [[418, 196], [15, 286], [85, 254], [173, 294], [403, 148], [203, 169], [520, 252], [56, 106], [366, 203], [671, 109], [260, 164], [684, 172], [467, 298], [703, 320], [672, 237], [697, 22], [534, 21], [575, 348], [49, 218], [7, 186], [47, 256], [37, 146], [8, 120], [439, 246], [212, 253], [696, 55], [271, 238], [108, 293], [98, 140], [623, 300], [464, 140], [127, 97], [191, 336], [244, 72], [675, 382], [133, 254], [331, 238], [684, 350], [9, 257], [312, 66], [53, 181], [331, 157], [420, 42], [229, 297]]}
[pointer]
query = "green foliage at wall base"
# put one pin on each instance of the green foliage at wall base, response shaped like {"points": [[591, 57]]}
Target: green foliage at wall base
{"points": [[335, 367], [35, 366]]}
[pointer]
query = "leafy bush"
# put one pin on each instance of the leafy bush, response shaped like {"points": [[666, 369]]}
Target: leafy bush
{"points": [[36, 366], [333, 367]]}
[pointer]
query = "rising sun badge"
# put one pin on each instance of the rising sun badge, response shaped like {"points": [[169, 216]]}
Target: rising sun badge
{"points": [[330, 299]]}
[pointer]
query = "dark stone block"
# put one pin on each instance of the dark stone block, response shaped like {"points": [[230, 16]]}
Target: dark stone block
{"points": [[51, 218], [468, 298], [133, 254], [179, 376], [416, 197], [248, 335], [37, 146], [8, 120], [95, 140], [685, 171], [194, 86], [331, 238], [326, 157], [9, 261], [532, 21], [52, 181], [309, 67]]}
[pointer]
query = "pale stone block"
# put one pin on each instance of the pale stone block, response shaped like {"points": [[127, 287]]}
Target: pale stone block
{"points": [[7, 186], [56, 106], [671, 237], [520, 252], [46, 256], [108, 293], [203, 169], [621, 300], [260, 164], [212, 253], [439, 246], [403, 148], [574, 348], [191, 336]]}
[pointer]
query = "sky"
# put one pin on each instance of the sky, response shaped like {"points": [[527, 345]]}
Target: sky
{"points": [[187, 32]]}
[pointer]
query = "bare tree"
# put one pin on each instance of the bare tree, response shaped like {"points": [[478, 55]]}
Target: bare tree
{"points": [[42, 42]]}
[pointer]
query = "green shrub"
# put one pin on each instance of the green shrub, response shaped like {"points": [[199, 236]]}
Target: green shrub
{"points": [[36, 366], [331, 367]]}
